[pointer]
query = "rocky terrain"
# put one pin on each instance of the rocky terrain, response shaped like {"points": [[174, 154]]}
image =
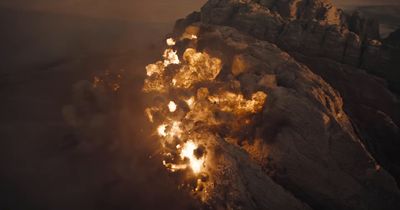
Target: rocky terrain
{"points": [[388, 15], [329, 131]]}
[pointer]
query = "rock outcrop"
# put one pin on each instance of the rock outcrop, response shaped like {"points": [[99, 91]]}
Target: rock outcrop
{"points": [[325, 121], [364, 27], [315, 28], [393, 39], [333, 45], [389, 61]]}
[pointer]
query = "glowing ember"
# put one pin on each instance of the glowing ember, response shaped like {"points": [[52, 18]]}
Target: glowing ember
{"points": [[154, 69], [172, 106], [170, 57], [190, 102], [149, 115], [109, 80], [162, 130], [171, 42], [175, 129]]}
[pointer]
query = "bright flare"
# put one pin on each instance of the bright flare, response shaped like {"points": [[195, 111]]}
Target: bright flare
{"points": [[162, 130], [172, 106], [170, 57], [171, 42], [188, 152]]}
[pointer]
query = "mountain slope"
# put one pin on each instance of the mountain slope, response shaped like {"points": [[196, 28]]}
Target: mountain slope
{"points": [[309, 139]]}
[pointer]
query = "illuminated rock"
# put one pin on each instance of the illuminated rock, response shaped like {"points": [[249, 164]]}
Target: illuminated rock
{"points": [[261, 115]]}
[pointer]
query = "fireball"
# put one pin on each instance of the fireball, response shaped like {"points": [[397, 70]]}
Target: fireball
{"points": [[187, 135]]}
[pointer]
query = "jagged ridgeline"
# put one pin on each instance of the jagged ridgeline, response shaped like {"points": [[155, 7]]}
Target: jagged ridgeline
{"points": [[264, 105]]}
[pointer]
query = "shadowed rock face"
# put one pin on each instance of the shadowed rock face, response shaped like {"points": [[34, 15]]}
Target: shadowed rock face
{"points": [[310, 27], [394, 39], [323, 117], [321, 10]]}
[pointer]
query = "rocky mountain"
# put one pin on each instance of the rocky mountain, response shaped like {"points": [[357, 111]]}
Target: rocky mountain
{"points": [[324, 134], [394, 39], [328, 136]]}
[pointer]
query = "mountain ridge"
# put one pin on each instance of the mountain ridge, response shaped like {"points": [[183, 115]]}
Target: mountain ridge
{"points": [[291, 51]]}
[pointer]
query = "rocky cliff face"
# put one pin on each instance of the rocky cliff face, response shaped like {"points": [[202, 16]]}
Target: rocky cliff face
{"points": [[314, 27], [326, 126]]}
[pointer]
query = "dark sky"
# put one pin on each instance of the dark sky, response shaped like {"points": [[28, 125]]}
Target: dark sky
{"points": [[136, 10], [139, 10]]}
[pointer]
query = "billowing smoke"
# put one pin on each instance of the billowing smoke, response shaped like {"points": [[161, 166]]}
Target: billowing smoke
{"points": [[109, 124]]}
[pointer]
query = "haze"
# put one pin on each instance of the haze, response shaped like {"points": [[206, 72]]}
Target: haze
{"points": [[136, 10]]}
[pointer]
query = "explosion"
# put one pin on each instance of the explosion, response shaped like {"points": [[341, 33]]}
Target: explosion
{"points": [[191, 108]]}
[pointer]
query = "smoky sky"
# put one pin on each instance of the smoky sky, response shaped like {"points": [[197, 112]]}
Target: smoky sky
{"points": [[137, 10]]}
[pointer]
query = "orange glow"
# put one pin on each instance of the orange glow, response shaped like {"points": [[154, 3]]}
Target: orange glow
{"points": [[182, 132]]}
